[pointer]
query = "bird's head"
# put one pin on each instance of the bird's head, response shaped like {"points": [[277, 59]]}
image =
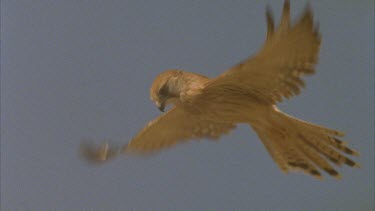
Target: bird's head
{"points": [[165, 89]]}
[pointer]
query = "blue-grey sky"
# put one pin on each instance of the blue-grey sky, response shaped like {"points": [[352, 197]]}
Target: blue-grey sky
{"points": [[82, 69]]}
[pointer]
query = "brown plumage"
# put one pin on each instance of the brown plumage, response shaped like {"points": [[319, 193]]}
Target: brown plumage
{"points": [[247, 93]]}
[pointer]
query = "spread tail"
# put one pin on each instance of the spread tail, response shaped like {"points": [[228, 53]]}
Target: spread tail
{"points": [[297, 145]]}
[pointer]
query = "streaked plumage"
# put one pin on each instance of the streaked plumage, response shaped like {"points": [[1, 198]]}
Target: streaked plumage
{"points": [[246, 93]]}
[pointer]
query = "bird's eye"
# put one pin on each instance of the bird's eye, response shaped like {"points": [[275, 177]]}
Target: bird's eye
{"points": [[163, 91]]}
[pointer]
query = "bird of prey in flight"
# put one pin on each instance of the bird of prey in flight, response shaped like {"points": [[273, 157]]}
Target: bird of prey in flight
{"points": [[207, 108]]}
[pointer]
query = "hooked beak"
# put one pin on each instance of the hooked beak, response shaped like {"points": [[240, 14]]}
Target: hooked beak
{"points": [[161, 106]]}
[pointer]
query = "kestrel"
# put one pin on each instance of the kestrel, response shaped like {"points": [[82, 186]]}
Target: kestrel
{"points": [[207, 108]]}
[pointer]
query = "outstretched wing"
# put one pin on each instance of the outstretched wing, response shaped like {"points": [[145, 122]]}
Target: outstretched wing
{"points": [[173, 127], [275, 72]]}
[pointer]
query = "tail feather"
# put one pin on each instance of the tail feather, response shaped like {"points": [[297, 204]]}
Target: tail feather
{"points": [[331, 154], [275, 150], [317, 158], [341, 145], [284, 153], [312, 127], [297, 145], [328, 140]]}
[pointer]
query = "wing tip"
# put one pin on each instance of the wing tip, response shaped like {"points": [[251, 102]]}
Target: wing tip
{"points": [[270, 22], [97, 154], [286, 7]]}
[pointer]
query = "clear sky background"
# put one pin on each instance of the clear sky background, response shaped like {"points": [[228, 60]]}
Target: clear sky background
{"points": [[72, 70]]}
